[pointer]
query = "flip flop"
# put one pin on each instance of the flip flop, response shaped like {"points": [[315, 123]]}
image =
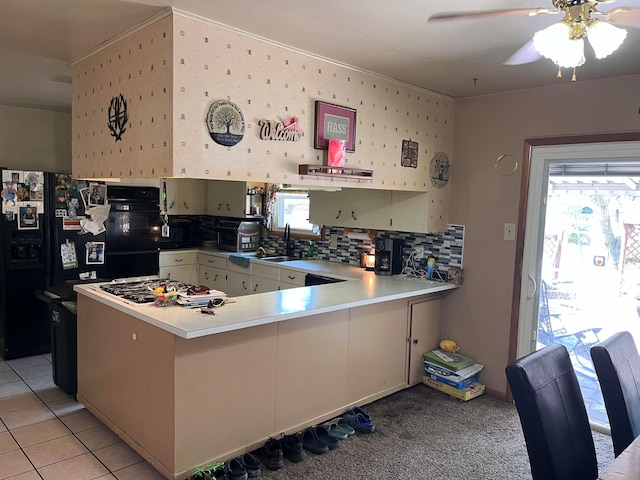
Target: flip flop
{"points": [[322, 434], [335, 431]]}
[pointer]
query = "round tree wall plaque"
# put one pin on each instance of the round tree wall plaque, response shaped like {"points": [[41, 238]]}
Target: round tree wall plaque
{"points": [[225, 123], [439, 169]]}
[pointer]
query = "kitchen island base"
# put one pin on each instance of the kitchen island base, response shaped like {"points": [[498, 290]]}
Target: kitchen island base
{"points": [[182, 403]]}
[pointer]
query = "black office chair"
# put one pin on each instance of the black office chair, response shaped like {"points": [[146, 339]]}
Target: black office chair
{"points": [[553, 416], [617, 365]]}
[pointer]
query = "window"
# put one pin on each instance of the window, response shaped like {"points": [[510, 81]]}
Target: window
{"points": [[292, 207]]}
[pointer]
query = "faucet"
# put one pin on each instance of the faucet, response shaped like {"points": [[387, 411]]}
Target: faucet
{"points": [[287, 240]]}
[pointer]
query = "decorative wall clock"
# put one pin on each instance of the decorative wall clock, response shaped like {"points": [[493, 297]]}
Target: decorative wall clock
{"points": [[225, 123], [439, 170]]}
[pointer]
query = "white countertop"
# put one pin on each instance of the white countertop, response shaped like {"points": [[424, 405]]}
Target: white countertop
{"points": [[362, 288]]}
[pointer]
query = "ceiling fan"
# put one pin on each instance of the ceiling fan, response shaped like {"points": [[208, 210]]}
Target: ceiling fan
{"points": [[563, 42]]}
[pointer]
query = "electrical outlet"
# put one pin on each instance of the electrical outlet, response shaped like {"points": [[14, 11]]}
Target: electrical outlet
{"points": [[333, 240], [419, 252], [510, 232]]}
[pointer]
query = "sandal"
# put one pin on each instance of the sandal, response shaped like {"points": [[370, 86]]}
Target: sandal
{"points": [[344, 426], [360, 421], [335, 431]]}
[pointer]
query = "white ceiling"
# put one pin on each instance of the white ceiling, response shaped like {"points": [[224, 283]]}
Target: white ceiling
{"points": [[39, 39]]}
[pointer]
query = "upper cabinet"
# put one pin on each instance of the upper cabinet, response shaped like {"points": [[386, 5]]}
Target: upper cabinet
{"points": [[184, 196], [375, 209], [232, 199]]}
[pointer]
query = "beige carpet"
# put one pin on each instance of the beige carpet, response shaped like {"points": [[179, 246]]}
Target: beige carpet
{"points": [[424, 434]]}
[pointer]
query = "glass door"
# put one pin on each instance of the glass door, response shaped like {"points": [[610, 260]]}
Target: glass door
{"points": [[583, 260]]}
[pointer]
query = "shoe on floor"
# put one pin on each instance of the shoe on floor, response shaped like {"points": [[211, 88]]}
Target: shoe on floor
{"points": [[322, 434], [271, 454], [251, 464], [343, 425], [359, 421], [292, 448], [335, 431], [235, 470], [310, 442]]}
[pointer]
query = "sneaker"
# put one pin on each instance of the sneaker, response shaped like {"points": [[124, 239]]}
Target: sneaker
{"points": [[251, 464], [359, 421], [234, 469], [272, 455], [292, 448]]}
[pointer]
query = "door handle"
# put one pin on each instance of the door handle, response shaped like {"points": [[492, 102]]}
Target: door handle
{"points": [[535, 287]]}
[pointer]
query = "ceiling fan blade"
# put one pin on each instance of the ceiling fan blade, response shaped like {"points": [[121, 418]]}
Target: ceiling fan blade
{"points": [[491, 13], [627, 16], [526, 54]]}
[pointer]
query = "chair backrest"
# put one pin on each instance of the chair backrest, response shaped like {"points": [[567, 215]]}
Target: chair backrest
{"points": [[617, 365], [553, 416]]}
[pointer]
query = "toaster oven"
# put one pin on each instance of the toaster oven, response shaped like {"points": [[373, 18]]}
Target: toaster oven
{"points": [[238, 235]]}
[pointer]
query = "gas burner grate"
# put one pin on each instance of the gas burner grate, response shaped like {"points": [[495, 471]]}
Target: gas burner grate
{"points": [[141, 291]]}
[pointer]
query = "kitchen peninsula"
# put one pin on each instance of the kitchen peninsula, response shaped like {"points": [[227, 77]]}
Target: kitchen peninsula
{"points": [[184, 389]]}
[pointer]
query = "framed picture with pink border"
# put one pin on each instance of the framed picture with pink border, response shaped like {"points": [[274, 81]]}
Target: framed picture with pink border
{"points": [[334, 122]]}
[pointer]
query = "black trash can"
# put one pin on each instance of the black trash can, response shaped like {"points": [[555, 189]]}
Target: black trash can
{"points": [[61, 301]]}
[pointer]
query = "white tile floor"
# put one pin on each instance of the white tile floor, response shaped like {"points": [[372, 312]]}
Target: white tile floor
{"points": [[46, 434]]}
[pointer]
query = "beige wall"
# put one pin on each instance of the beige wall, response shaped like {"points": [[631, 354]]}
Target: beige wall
{"points": [[35, 139], [477, 316]]}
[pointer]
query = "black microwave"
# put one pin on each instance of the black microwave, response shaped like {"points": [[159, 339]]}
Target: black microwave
{"points": [[183, 232]]}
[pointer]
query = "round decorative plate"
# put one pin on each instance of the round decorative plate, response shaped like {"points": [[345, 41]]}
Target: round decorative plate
{"points": [[225, 123], [439, 169]]}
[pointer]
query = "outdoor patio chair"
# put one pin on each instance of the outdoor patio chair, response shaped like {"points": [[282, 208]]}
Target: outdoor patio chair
{"points": [[617, 365], [553, 416], [552, 329]]}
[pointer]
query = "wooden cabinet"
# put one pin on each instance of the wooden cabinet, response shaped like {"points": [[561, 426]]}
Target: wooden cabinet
{"points": [[212, 271], [264, 278], [377, 349], [238, 283], [424, 334], [181, 265], [230, 199], [357, 208], [291, 279], [375, 209], [185, 196]]}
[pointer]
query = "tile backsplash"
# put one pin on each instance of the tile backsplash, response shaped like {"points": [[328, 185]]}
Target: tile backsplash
{"points": [[446, 247]]}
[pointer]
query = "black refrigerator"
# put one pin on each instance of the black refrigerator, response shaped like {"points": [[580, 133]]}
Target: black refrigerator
{"points": [[42, 243]]}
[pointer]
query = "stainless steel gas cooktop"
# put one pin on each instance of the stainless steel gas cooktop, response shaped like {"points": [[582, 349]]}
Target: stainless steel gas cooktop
{"points": [[141, 291]]}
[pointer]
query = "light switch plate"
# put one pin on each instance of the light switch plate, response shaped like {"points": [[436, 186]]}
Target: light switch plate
{"points": [[333, 240]]}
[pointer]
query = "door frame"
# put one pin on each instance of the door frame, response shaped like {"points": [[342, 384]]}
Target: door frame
{"points": [[529, 144]]}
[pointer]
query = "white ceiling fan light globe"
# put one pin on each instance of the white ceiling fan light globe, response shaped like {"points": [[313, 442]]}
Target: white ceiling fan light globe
{"points": [[605, 38], [554, 43]]}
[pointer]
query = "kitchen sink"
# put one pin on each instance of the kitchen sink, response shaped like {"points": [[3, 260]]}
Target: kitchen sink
{"points": [[282, 258]]}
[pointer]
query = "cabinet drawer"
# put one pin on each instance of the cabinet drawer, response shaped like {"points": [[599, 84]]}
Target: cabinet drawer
{"points": [[294, 277], [212, 261], [265, 271], [170, 259]]}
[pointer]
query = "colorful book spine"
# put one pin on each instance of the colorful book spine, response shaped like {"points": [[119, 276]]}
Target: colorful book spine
{"points": [[448, 360]]}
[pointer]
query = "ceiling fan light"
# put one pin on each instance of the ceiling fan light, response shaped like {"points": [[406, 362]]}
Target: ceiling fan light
{"points": [[554, 43], [605, 38]]}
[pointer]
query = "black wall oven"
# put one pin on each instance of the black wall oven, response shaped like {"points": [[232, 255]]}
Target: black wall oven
{"points": [[133, 232]]}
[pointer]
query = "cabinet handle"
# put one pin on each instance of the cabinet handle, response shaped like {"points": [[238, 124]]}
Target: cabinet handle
{"points": [[244, 285], [206, 275], [353, 215], [338, 215], [215, 278], [211, 261], [172, 204], [178, 260], [219, 206], [186, 207], [228, 208], [255, 288], [291, 277], [415, 341]]}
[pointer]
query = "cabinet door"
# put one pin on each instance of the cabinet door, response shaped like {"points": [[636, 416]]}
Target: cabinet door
{"points": [[185, 196], [424, 335], [263, 284], [226, 198], [293, 277], [210, 260], [327, 208], [409, 211], [214, 278], [377, 365], [238, 283], [368, 209], [182, 273]]}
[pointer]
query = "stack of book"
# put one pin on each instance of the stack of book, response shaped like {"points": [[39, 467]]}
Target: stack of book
{"points": [[453, 373]]}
